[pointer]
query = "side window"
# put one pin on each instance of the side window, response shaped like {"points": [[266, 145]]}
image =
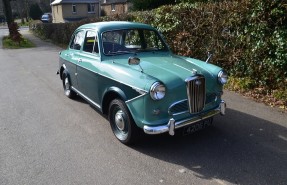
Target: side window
{"points": [[91, 42], [77, 40], [152, 40]]}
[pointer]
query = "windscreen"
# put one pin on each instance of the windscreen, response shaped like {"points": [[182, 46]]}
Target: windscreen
{"points": [[132, 40]]}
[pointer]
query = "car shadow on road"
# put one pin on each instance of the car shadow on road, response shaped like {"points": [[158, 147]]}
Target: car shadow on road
{"points": [[239, 148]]}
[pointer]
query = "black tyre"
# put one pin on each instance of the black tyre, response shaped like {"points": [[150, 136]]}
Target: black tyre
{"points": [[67, 87], [122, 123]]}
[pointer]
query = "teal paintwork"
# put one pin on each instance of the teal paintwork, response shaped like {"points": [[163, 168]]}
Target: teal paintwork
{"points": [[96, 76]]}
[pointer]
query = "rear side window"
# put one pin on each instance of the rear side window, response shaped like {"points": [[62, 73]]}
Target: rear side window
{"points": [[91, 42], [77, 40]]}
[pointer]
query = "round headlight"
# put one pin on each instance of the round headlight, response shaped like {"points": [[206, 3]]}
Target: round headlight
{"points": [[222, 77], [157, 91]]}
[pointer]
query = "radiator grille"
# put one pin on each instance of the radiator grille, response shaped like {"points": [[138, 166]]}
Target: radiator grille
{"points": [[196, 93]]}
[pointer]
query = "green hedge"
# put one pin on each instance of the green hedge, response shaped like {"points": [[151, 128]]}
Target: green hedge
{"points": [[247, 37]]}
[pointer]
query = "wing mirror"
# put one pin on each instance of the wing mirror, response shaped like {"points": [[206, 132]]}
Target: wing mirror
{"points": [[135, 61]]}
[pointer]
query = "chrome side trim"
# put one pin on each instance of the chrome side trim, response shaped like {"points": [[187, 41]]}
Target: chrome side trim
{"points": [[86, 98], [139, 91], [172, 124], [135, 98]]}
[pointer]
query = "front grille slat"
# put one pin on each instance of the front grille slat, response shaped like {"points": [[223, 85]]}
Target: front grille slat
{"points": [[196, 93], [196, 97]]}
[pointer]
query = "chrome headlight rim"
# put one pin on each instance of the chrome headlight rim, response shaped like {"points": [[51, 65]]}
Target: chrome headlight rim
{"points": [[222, 77], [157, 91]]}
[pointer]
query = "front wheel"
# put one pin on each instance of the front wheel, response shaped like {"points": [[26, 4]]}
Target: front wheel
{"points": [[122, 123]]}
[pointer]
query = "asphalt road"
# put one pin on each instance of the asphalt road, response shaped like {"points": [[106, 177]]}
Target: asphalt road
{"points": [[46, 138]]}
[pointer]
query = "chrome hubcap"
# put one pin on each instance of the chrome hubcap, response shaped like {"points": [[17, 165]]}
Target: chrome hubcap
{"points": [[119, 120]]}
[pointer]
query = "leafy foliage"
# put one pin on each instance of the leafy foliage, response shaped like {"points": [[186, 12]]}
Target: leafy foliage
{"points": [[264, 39], [150, 4]]}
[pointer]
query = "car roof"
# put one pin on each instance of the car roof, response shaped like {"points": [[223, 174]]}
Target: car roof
{"points": [[115, 25]]}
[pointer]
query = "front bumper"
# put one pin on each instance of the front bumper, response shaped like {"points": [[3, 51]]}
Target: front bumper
{"points": [[172, 124]]}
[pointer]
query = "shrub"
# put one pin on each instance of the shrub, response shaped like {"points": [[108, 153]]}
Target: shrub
{"points": [[263, 41]]}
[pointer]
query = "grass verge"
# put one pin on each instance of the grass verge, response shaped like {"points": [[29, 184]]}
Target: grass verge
{"points": [[8, 43]]}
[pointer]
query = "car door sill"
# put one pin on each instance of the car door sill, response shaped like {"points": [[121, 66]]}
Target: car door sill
{"points": [[86, 98]]}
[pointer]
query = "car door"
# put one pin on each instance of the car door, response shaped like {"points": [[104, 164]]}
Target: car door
{"points": [[73, 56], [88, 68]]}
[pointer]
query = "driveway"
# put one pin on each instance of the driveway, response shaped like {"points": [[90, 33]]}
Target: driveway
{"points": [[46, 138]]}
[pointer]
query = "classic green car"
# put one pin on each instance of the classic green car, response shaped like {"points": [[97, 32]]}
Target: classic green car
{"points": [[127, 71]]}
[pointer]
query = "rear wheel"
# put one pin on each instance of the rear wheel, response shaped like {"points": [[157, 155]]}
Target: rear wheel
{"points": [[122, 123], [67, 87]]}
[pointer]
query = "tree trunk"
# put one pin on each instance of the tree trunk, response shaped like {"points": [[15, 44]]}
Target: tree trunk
{"points": [[8, 14], [8, 11]]}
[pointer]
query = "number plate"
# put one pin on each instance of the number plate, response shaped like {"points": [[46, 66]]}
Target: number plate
{"points": [[197, 126]]}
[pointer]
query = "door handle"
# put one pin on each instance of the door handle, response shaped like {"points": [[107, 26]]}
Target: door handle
{"points": [[80, 60]]}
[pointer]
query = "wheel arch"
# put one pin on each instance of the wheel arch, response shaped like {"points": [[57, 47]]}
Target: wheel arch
{"points": [[62, 69], [111, 94]]}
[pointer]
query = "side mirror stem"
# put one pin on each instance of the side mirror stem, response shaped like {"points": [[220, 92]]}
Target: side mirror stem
{"points": [[209, 56]]}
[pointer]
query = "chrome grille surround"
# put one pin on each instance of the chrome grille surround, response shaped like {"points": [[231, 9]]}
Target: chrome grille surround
{"points": [[196, 94], [181, 107]]}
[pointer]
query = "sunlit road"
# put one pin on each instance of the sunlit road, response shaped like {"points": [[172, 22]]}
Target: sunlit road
{"points": [[46, 138]]}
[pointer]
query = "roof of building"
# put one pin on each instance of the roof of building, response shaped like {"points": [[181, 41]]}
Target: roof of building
{"points": [[113, 1], [73, 1]]}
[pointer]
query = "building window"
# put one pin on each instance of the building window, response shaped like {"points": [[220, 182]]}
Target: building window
{"points": [[113, 6], [74, 9], [91, 8]]}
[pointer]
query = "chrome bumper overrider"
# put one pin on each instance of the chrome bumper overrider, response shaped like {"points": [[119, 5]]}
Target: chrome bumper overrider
{"points": [[172, 124]]}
